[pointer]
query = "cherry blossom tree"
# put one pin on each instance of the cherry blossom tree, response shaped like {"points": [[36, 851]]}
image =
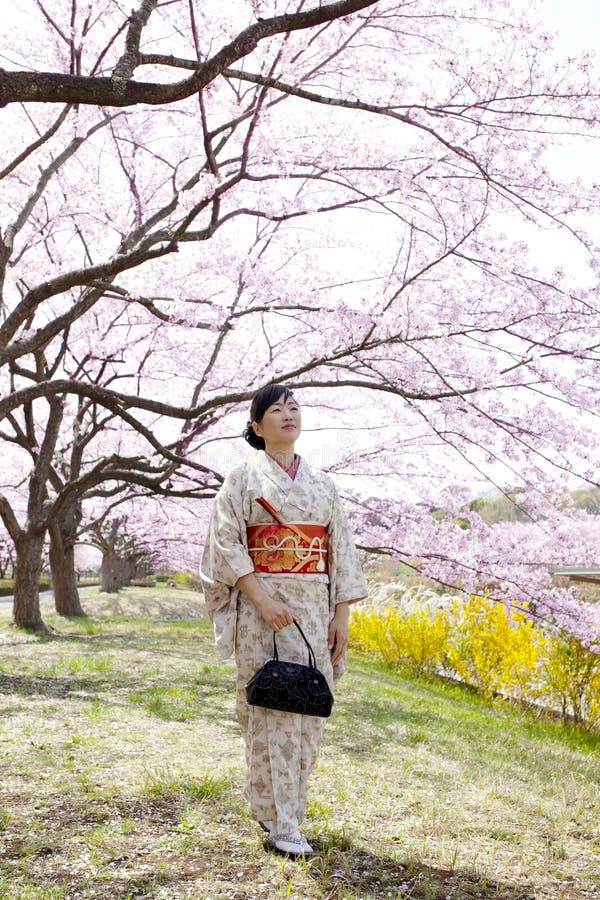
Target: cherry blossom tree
{"points": [[512, 561], [86, 455], [138, 538], [123, 556], [346, 197], [6, 555]]}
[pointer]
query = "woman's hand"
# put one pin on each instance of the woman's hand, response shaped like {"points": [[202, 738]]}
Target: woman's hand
{"points": [[337, 637], [276, 614]]}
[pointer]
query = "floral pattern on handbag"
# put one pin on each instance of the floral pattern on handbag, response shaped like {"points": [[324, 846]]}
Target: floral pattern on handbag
{"points": [[291, 687]]}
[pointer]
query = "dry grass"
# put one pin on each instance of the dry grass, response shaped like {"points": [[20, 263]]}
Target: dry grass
{"points": [[122, 770]]}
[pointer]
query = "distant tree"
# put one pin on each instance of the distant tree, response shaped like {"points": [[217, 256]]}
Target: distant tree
{"points": [[124, 557]]}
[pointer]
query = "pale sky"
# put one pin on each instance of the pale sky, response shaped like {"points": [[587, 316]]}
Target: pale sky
{"points": [[577, 21]]}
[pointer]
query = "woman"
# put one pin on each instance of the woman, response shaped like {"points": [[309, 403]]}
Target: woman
{"points": [[255, 584]]}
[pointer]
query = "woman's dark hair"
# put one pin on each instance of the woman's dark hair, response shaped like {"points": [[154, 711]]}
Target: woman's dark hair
{"points": [[262, 400]]}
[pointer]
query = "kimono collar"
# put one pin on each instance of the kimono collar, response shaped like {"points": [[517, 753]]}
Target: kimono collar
{"points": [[290, 470], [276, 473], [283, 491]]}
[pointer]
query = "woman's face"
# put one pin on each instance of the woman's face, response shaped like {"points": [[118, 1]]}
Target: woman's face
{"points": [[281, 424]]}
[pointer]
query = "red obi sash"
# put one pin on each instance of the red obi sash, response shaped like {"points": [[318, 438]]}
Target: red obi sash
{"points": [[290, 548]]}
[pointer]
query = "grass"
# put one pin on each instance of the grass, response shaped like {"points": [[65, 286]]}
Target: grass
{"points": [[122, 776]]}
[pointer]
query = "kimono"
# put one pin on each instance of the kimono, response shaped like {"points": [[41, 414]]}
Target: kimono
{"points": [[281, 747]]}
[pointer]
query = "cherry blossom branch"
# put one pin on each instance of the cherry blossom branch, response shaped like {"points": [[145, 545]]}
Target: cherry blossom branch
{"points": [[517, 198], [63, 283], [35, 145], [52, 87], [124, 69]]}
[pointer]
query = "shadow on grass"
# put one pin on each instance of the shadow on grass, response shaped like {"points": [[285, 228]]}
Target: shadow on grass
{"points": [[94, 662], [36, 685], [339, 870], [206, 695], [352, 871], [200, 698], [117, 632]]}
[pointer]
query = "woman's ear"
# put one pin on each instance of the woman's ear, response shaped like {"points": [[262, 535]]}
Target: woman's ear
{"points": [[256, 428]]}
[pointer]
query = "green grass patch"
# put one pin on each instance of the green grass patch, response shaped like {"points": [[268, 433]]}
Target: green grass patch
{"points": [[175, 704], [169, 783], [123, 774]]}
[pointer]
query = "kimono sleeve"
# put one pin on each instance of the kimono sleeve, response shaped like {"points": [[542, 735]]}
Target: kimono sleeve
{"points": [[225, 559], [226, 556], [346, 578]]}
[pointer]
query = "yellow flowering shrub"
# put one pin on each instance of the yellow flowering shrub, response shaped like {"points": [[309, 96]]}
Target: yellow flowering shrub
{"points": [[482, 643], [494, 649], [369, 631], [417, 638], [571, 678], [592, 716], [420, 639]]}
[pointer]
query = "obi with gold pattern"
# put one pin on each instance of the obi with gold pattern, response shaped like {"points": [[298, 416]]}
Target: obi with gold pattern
{"points": [[294, 548]]}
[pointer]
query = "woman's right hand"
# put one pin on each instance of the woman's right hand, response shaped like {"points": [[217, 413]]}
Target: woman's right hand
{"points": [[275, 613]]}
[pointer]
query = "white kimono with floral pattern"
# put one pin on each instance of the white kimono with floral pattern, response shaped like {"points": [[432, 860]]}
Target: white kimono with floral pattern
{"points": [[281, 748]]}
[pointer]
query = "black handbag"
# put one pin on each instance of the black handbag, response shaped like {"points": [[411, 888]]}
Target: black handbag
{"points": [[291, 687]]}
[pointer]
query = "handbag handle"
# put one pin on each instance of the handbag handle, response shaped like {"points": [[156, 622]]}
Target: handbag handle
{"points": [[312, 662]]}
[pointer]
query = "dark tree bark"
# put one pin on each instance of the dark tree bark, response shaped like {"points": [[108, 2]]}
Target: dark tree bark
{"points": [[29, 541], [28, 569], [109, 571], [121, 90], [125, 571], [63, 537], [7, 562]]}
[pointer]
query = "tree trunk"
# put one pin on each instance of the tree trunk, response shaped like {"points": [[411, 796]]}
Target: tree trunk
{"points": [[63, 536], [29, 542], [28, 568], [122, 571], [109, 571], [62, 566], [129, 570]]}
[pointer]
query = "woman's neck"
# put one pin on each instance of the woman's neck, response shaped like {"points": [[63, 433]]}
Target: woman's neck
{"points": [[281, 453], [283, 456]]}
